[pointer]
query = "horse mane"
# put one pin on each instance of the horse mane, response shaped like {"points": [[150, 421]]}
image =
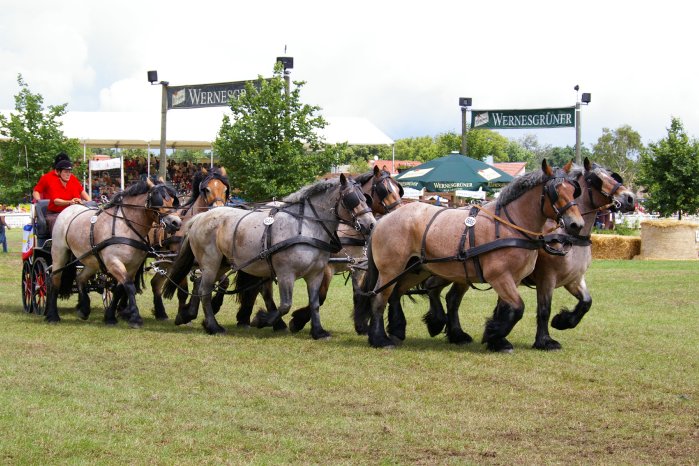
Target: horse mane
{"points": [[364, 177], [521, 185], [311, 190], [136, 189]]}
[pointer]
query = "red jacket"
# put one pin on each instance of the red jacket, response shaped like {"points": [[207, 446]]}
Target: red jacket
{"points": [[51, 187]]}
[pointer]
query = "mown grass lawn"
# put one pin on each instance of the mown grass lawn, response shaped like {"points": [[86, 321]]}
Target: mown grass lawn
{"points": [[623, 390]]}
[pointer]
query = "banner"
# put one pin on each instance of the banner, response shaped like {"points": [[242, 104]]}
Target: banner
{"points": [[536, 118], [205, 95], [108, 164]]}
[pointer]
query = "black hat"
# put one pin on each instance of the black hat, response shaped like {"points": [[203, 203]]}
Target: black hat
{"points": [[59, 157], [64, 165]]}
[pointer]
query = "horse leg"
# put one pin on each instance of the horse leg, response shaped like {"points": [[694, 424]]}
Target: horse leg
{"points": [[51, 312], [396, 316], [135, 319], [570, 319], [435, 318], [156, 285], [508, 311], [455, 333], [300, 317], [544, 294], [313, 286], [187, 312], [110, 313], [204, 290], [217, 300], [357, 277], [83, 302]]}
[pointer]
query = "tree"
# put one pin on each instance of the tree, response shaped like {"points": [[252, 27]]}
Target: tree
{"points": [[270, 147], [669, 171], [619, 151], [481, 143], [35, 138]]}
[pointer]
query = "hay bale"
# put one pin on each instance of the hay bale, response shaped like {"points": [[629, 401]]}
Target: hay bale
{"points": [[668, 239], [615, 246]]}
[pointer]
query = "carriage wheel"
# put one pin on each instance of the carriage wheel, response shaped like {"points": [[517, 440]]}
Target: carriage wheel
{"points": [[27, 286], [106, 296], [42, 282]]}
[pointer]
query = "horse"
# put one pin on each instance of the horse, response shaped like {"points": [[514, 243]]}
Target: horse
{"points": [[117, 246], [208, 190], [284, 242], [385, 194], [420, 239], [601, 189]]}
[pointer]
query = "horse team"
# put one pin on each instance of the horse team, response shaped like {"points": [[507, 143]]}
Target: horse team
{"points": [[537, 232]]}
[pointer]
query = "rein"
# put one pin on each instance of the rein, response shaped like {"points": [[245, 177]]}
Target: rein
{"points": [[514, 226]]}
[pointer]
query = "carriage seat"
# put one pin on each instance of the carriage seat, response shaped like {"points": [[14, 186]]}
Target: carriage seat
{"points": [[41, 226]]}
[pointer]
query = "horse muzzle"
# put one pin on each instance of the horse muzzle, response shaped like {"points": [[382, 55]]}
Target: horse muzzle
{"points": [[171, 223]]}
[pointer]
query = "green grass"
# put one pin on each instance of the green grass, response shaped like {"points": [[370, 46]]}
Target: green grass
{"points": [[623, 390]]}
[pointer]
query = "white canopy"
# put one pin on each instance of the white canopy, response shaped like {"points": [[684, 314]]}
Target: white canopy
{"points": [[191, 128]]}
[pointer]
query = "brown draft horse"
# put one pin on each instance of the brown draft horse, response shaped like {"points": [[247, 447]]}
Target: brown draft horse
{"points": [[601, 189], [208, 190], [462, 246], [285, 242], [111, 239], [385, 195]]}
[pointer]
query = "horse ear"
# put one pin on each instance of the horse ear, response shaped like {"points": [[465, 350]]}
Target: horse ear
{"points": [[546, 168], [587, 164], [222, 171], [204, 171], [149, 183], [568, 166], [343, 179], [160, 180], [377, 171]]}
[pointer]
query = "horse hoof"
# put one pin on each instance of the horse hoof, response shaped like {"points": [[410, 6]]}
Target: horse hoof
{"points": [[135, 324], [295, 326], [110, 323], [322, 336], [462, 338], [52, 322], [215, 330], [500, 345], [82, 315], [397, 341], [243, 325], [180, 320], [548, 345]]}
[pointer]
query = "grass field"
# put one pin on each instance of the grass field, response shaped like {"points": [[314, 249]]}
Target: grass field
{"points": [[624, 389]]}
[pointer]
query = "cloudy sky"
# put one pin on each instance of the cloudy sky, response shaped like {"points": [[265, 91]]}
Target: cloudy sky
{"points": [[403, 65]]}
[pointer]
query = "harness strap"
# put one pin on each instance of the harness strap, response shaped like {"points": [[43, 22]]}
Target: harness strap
{"points": [[423, 254]]}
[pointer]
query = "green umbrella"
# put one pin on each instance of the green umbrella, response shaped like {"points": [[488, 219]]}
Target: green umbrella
{"points": [[452, 172]]}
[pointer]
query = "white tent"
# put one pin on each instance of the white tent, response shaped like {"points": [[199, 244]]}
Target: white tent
{"points": [[191, 128]]}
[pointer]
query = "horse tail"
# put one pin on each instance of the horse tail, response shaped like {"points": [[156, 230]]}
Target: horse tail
{"points": [[362, 305], [179, 269], [68, 275], [138, 280]]}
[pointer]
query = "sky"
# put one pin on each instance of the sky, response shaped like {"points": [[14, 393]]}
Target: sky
{"points": [[402, 65]]}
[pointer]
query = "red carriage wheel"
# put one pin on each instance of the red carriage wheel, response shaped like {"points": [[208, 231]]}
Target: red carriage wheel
{"points": [[27, 286], [42, 282]]}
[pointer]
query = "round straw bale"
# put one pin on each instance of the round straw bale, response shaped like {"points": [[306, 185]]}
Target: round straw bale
{"points": [[668, 239], [615, 246]]}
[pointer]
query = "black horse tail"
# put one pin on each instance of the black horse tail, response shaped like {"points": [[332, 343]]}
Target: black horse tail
{"points": [[139, 280], [179, 269], [362, 305], [68, 275]]}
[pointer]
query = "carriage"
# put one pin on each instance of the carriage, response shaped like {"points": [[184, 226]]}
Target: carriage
{"points": [[36, 265]]}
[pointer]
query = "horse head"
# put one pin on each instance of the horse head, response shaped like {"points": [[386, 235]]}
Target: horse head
{"points": [[610, 186], [214, 188], [353, 206], [561, 193], [385, 193], [162, 200]]}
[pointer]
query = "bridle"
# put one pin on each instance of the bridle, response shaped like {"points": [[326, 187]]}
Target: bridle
{"points": [[550, 191], [378, 187], [593, 180], [350, 201], [161, 193]]}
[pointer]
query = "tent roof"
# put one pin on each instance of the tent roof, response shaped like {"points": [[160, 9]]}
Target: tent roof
{"points": [[191, 128], [451, 172]]}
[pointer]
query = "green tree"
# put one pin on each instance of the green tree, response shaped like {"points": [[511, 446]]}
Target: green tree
{"points": [[619, 151], [446, 143], [481, 143], [669, 171], [270, 146], [420, 148], [35, 137]]}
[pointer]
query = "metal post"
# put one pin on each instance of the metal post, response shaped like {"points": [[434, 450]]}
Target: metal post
{"points": [[464, 130], [163, 132], [577, 133]]}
